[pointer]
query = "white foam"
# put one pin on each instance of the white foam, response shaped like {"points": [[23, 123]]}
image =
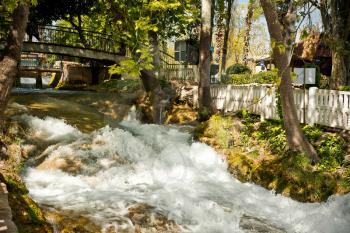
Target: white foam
{"points": [[50, 129], [188, 183]]}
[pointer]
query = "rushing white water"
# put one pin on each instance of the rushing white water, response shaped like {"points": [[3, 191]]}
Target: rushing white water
{"points": [[187, 182]]}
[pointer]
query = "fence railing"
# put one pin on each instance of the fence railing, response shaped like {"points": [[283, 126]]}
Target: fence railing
{"points": [[171, 69], [314, 106], [65, 36]]}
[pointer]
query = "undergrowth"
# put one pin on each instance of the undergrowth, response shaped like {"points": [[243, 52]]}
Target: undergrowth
{"points": [[260, 154]]}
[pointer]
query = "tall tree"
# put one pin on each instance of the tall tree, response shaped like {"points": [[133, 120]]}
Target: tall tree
{"points": [[281, 27], [12, 53], [226, 34], [335, 16], [204, 58], [248, 22]]}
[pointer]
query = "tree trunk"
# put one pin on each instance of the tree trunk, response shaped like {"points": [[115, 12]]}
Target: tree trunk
{"points": [[154, 49], [348, 70], [204, 97], [226, 34], [295, 136], [150, 79], [338, 33], [248, 23], [12, 53], [95, 70], [339, 70], [155, 93]]}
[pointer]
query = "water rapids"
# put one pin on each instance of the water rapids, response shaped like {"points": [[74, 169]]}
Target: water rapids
{"points": [[111, 169]]}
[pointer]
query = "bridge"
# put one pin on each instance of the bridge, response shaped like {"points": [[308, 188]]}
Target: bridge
{"points": [[67, 42]]}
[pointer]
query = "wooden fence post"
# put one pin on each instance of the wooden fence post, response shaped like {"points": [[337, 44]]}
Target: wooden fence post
{"points": [[311, 107], [227, 98]]}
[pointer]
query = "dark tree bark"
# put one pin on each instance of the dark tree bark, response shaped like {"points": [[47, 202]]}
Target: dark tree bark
{"points": [[282, 33], [154, 49], [204, 97], [335, 16], [340, 18], [226, 34], [12, 53], [150, 79], [248, 23]]}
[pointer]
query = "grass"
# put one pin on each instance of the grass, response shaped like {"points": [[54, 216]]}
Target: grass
{"points": [[257, 152]]}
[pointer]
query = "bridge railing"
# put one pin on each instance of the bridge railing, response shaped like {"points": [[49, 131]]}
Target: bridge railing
{"points": [[65, 36], [175, 70], [70, 37]]}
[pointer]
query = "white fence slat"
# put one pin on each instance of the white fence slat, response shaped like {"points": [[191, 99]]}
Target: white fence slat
{"points": [[314, 106]]}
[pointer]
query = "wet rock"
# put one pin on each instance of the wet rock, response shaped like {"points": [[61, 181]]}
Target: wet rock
{"points": [[69, 222], [251, 224], [146, 220]]}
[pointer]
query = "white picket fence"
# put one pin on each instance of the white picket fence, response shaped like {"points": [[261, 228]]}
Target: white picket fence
{"points": [[314, 106]]}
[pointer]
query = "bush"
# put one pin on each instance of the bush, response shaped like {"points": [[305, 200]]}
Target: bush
{"points": [[238, 69], [330, 147], [267, 77], [270, 77], [345, 88], [331, 150]]}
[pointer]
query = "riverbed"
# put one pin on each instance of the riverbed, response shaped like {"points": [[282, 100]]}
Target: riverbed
{"points": [[100, 167]]}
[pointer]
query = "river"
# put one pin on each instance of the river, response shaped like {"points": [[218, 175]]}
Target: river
{"points": [[102, 172]]}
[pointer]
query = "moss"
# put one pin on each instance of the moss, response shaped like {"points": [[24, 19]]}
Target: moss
{"points": [[27, 215], [14, 186]]}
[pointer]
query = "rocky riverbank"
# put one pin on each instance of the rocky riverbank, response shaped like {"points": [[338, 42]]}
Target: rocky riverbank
{"points": [[257, 152], [25, 213]]}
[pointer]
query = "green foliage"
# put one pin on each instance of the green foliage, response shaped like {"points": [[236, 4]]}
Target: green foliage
{"points": [[345, 88], [219, 128], [313, 134], [267, 77], [329, 147], [133, 67], [272, 133], [331, 150], [238, 69], [15, 186]]}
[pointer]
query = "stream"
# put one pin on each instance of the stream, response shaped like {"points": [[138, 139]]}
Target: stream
{"points": [[103, 171]]}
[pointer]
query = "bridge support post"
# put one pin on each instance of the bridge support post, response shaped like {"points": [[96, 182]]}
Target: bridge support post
{"points": [[38, 81], [17, 82]]}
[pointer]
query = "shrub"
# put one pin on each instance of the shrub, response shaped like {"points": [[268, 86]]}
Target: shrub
{"points": [[267, 77], [331, 150], [240, 79], [238, 69], [270, 77], [312, 133], [345, 88]]}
